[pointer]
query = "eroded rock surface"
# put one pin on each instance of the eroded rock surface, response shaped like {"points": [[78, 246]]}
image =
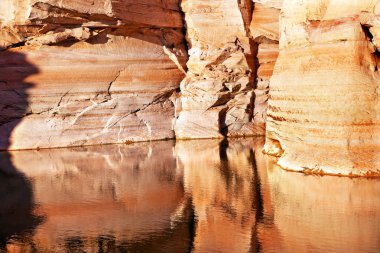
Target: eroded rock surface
{"points": [[323, 114], [88, 72], [264, 30], [217, 93]]}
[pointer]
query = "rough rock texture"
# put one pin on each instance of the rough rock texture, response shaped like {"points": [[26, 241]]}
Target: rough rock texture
{"points": [[216, 95], [323, 114], [264, 30], [88, 72], [108, 71]]}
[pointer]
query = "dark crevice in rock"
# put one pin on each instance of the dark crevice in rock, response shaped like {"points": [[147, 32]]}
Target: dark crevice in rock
{"points": [[255, 51], [367, 31], [376, 53], [377, 59], [109, 95], [65, 43], [100, 38], [223, 127], [247, 14], [185, 40], [19, 44]]}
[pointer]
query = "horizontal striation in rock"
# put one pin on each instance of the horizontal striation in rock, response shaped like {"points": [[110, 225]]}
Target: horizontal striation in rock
{"points": [[264, 23], [264, 29], [81, 73], [323, 113]]}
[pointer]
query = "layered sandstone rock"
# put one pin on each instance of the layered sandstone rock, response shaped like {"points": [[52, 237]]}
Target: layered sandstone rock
{"points": [[323, 114], [88, 72], [216, 95], [264, 30], [107, 71]]}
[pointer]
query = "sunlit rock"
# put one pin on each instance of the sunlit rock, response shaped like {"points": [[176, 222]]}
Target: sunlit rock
{"points": [[88, 72], [264, 29], [323, 109], [216, 95]]}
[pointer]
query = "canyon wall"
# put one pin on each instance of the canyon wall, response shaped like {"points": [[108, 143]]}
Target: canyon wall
{"points": [[217, 93], [115, 71], [323, 113], [101, 72], [88, 72], [264, 30]]}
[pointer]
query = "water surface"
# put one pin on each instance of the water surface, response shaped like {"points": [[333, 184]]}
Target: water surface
{"points": [[189, 196]]}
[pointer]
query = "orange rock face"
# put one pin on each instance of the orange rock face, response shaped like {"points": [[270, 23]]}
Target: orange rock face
{"points": [[76, 73], [323, 108], [264, 30], [216, 95], [88, 72]]}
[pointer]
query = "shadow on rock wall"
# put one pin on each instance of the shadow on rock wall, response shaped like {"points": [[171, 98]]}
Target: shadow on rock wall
{"points": [[14, 71], [16, 195]]}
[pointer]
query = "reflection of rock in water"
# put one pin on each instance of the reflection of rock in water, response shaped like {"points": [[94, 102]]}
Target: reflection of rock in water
{"points": [[109, 198], [219, 176], [325, 214], [207, 196], [16, 205]]}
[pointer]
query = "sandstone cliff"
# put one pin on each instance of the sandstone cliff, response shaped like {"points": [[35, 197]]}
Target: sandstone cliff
{"points": [[264, 29], [88, 72], [106, 71], [216, 95], [323, 113]]}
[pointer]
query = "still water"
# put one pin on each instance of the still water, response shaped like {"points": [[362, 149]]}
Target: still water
{"points": [[188, 196]]}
